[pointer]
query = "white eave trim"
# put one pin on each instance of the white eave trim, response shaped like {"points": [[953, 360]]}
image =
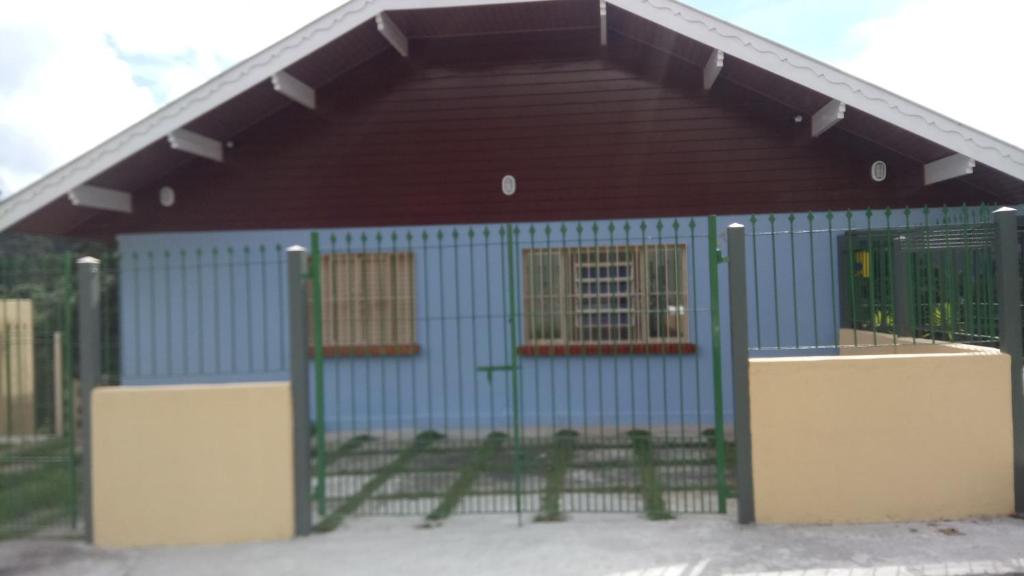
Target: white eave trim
{"points": [[947, 168], [822, 78], [602, 12], [216, 92], [826, 117], [294, 89], [196, 144], [100, 198], [719, 35], [713, 68], [393, 34]]}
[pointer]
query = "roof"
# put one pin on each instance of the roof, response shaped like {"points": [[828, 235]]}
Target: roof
{"points": [[347, 36]]}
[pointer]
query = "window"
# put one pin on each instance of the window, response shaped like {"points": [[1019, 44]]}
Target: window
{"points": [[626, 299], [368, 304]]}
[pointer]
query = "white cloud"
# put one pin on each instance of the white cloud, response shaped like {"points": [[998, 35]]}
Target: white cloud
{"points": [[958, 58], [71, 91], [74, 73]]}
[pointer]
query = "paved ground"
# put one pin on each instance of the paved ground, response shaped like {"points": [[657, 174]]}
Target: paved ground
{"points": [[598, 545]]}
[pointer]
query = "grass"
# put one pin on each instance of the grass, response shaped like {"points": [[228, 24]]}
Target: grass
{"points": [[35, 498], [423, 440], [480, 461], [650, 485], [554, 486], [53, 448]]}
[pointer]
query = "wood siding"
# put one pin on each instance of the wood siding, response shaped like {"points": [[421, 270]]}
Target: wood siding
{"points": [[587, 135]]}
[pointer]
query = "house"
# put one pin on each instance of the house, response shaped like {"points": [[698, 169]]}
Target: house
{"points": [[512, 207]]}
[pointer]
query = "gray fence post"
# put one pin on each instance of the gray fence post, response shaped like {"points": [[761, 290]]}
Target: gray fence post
{"points": [[298, 338], [736, 244], [1010, 337], [88, 371]]}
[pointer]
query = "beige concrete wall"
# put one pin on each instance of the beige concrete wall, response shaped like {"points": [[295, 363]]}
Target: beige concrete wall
{"points": [[196, 464], [17, 367], [881, 438]]}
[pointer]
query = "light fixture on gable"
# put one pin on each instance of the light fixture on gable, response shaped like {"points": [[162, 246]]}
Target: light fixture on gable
{"points": [[167, 196], [508, 185], [879, 171]]}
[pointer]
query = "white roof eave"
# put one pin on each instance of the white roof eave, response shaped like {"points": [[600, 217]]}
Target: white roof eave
{"points": [[820, 77]]}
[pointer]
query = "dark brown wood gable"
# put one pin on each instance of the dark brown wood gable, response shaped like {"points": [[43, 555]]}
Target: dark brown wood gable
{"points": [[587, 134]]}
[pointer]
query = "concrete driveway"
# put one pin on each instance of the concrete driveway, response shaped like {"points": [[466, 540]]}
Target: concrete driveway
{"points": [[598, 545]]}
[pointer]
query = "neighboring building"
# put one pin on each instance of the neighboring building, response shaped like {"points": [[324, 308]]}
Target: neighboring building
{"points": [[390, 127]]}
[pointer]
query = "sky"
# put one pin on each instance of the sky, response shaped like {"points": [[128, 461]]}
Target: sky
{"points": [[74, 73]]}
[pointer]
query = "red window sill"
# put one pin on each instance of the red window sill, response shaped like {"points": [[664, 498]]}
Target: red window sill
{"points": [[607, 349], [369, 350]]}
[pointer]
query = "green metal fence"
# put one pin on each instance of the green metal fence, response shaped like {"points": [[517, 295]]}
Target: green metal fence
{"points": [[822, 282], [928, 283], [38, 475], [537, 369], [40, 406]]}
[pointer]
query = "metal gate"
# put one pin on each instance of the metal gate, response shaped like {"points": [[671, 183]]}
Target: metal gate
{"points": [[543, 369]]}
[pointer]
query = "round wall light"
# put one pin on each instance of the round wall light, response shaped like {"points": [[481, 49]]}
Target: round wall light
{"points": [[879, 171], [167, 196], [508, 185]]}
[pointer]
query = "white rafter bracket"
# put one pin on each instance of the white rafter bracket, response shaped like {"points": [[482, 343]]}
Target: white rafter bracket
{"points": [[826, 117], [294, 89], [602, 10], [713, 68], [197, 144], [100, 198], [947, 168], [393, 34]]}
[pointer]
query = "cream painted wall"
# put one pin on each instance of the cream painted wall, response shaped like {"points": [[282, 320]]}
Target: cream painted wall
{"points": [[192, 464], [881, 438]]}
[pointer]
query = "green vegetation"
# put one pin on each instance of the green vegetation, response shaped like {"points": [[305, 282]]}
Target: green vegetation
{"points": [[56, 447], [37, 269], [33, 497]]}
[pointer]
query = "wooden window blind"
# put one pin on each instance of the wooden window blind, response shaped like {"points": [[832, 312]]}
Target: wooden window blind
{"points": [[368, 301]]}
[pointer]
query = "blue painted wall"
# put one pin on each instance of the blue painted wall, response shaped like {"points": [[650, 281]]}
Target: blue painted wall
{"points": [[210, 307]]}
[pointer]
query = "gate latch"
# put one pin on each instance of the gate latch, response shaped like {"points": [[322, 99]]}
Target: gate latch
{"points": [[490, 370]]}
